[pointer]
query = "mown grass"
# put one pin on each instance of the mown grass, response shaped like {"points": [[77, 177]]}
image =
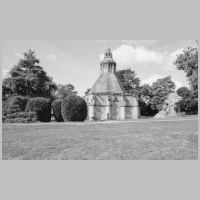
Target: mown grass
{"points": [[148, 139]]}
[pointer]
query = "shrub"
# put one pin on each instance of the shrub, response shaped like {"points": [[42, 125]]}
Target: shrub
{"points": [[21, 117], [5, 108], [189, 103], [14, 104], [74, 108], [56, 105], [145, 109], [41, 106], [20, 101]]}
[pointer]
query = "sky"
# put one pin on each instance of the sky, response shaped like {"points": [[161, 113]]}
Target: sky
{"points": [[78, 61]]}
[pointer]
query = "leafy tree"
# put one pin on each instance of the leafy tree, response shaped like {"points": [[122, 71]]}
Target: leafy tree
{"points": [[145, 92], [188, 62], [188, 103], [27, 78], [131, 84], [129, 80], [159, 92], [65, 90], [6, 88], [184, 92]]}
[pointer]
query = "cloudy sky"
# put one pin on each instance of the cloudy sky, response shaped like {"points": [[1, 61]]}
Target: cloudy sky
{"points": [[77, 62]]}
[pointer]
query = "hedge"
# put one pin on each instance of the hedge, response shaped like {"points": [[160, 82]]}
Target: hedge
{"points": [[41, 106], [20, 101], [21, 117], [56, 106], [74, 108], [5, 108], [14, 104]]}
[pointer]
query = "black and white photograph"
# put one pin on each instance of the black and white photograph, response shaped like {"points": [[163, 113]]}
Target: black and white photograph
{"points": [[100, 100]]}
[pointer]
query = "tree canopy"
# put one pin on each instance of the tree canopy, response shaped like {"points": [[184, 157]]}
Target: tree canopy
{"points": [[151, 98], [159, 92], [188, 62], [65, 90], [28, 78], [189, 103], [184, 92], [129, 80], [145, 92]]}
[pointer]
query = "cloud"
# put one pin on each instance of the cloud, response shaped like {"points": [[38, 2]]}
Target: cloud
{"points": [[19, 55], [129, 55], [146, 43], [151, 79], [155, 77], [178, 84], [51, 57], [169, 58]]}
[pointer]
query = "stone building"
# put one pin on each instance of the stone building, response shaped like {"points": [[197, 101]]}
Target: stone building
{"points": [[107, 98]]}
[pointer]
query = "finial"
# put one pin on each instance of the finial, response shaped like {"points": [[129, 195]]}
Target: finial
{"points": [[108, 53]]}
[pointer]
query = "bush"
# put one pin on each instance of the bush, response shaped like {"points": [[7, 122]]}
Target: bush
{"points": [[74, 108], [41, 106], [145, 109], [5, 108], [20, 101], [14, 104], [56, 105], [189, 103], [21, 117]]}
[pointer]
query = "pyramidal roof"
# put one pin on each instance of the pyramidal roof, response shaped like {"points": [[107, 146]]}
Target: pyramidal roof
{"points": [[107, 81]]}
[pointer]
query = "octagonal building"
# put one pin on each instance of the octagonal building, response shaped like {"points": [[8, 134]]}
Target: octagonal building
{"points": [[107, 99]]}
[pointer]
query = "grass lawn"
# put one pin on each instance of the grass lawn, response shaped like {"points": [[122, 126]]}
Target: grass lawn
{"points": [[142, 139]]}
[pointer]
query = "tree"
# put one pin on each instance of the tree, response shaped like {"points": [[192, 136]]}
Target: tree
{"points": [[65, 90], [184, 92], [145, 92], [159, 92], [131, 84], [6, 88], [189, 103], [188, 62], [27, 78], [129, 80], [143, 100]]}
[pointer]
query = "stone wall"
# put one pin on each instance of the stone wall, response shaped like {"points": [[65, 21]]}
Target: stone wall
{"points": [[131, 112], [115, 107], [115, 111]]}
